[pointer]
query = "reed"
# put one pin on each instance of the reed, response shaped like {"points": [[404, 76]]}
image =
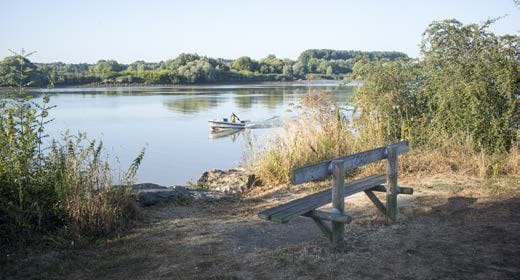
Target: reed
{"points": [[62, 188], [320, 132]]}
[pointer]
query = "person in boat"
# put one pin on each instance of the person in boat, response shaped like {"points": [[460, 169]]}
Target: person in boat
{"points": [[234, 118]]}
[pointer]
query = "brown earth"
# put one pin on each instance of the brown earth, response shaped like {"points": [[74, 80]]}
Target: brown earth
{"points": [[450, 228]]}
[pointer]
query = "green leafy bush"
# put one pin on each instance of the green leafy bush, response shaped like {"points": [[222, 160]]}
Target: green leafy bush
{"points": [[63, 185], [465, 88], [459, 105]]}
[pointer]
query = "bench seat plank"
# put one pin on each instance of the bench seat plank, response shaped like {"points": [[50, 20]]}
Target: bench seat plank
{"points": [[286, 212]]}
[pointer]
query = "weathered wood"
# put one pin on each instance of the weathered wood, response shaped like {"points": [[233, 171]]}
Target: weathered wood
{"points": [[379, 188], [325, 229], [321, 170], [286, 212], [338, 202], [400, 190], [306, 206], [391, 185], [329, 216], [404, 190], [376, 201]]}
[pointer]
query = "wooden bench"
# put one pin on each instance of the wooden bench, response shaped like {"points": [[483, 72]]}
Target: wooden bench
{"points": [[307, 206]]}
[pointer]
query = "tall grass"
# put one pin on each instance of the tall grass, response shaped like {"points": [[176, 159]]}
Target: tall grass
{"points": [[64, 187], [320, 132], [83, 181]]}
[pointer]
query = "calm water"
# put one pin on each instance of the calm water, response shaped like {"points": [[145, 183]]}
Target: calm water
{"points": [[172, 123]]}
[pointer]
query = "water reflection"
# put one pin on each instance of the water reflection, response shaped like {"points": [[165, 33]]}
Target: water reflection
{"points": [[231, 133], [191, 105], [245, 99]]}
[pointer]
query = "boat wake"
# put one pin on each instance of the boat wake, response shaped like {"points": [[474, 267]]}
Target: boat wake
{"points": [[275, 121]]}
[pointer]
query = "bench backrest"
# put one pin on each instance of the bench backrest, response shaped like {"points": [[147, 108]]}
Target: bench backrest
{"points": [[321, 170]]}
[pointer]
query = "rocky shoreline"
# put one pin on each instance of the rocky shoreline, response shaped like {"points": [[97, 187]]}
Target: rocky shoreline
{"points": [[212, 186]]}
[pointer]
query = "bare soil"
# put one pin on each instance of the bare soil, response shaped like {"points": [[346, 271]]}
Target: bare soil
{"points": [[450, 228]]}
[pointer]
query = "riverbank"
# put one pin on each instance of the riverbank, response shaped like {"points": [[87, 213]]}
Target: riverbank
{"points": [[451, 227], [302, 82]]}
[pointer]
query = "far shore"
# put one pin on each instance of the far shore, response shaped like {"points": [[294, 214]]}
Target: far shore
{"points": [[126, 85]]}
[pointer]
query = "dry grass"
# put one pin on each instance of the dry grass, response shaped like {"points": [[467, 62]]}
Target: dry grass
{"points": [[461, 158], [91, 202], [320, 133]]}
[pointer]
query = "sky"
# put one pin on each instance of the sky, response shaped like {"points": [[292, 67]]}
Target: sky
{"points": [[75, 31]]}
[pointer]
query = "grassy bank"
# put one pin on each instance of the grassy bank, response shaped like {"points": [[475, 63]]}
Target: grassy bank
{"points": [[62, 189], [459, 106]]}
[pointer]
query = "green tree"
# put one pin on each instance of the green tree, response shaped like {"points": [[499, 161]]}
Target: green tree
{"points": [[181, 60], [473, 82], [244, 63], [467, 86], [271, 65], [10, 71], [106, 67]]}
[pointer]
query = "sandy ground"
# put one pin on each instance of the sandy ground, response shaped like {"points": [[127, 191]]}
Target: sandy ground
{"points": [[448, 229]]}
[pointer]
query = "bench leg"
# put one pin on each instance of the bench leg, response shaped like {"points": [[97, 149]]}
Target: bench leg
{"points": [[376, 201], [338, 202], [325, 229], [391, 185]]}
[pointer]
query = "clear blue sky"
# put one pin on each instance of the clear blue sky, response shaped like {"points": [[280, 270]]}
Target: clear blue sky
{"points": [[84, 31]]}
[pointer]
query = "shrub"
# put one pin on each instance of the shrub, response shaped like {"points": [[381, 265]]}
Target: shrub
{"points": [[459, 105], [64, 186], [467, 87]]}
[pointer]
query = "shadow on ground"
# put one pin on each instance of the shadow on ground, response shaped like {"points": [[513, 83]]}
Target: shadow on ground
{"points": [[436, 237]]}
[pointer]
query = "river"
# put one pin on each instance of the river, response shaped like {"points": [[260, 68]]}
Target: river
{"points": [[171, 123]]}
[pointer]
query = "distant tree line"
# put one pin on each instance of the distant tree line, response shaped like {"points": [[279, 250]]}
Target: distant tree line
{"points": [[191, 69]]}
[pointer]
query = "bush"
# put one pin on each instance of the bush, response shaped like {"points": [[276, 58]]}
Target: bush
{"points": [[467, 87], [459, 106], [82, 179], [64, 186]]}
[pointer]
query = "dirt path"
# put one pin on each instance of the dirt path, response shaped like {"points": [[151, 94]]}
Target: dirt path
{"points": [[443, 232]]}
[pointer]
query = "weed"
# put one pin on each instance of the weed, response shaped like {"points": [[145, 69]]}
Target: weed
{"points": [[64, 187]]}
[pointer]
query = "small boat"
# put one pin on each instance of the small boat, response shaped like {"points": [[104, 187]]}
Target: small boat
{"points": [[224, 124]]}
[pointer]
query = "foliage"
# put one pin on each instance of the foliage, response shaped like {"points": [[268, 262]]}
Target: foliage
{"points": [[391, 101], [458, 105], [336, 62], [82, 180], [474, 83], [191, 69], [11, 65], [43, 188], [271, 64], [245, 63], [466, 87], [106, 67]]}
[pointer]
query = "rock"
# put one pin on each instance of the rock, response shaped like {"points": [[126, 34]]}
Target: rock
{"points": [[147, 186], [230, 181], [151, 194], [207, 195]]}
